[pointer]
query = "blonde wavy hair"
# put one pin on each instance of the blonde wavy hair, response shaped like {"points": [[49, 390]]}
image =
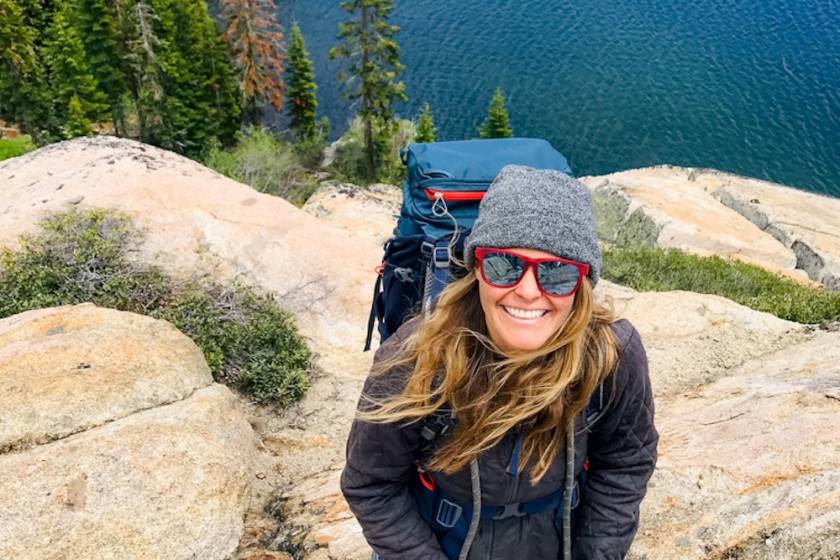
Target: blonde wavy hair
{"points": [[455, 364]]}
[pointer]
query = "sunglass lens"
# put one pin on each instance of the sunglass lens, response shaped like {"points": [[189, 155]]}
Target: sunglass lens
{"points": [[502, 269], [558, 278]]}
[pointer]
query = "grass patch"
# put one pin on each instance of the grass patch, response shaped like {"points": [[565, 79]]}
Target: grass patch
{"points": [[658, 270], [267, 163], [81, 256], [14, 147]]}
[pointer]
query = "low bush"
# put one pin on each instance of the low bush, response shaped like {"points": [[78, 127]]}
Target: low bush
{"points": [[310, 149], [648, 269], [349, 162], [265, 162], [81, 256], [14, 147]]}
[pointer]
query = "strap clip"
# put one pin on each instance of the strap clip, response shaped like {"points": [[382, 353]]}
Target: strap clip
{"points": [[442, 257], [509, 510], [403, 274], [448, 513]]}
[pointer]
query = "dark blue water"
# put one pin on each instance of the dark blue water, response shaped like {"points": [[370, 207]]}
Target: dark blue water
{"points": [[750, 87]]}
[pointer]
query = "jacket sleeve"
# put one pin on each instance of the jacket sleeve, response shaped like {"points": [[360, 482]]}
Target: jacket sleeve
{"points": [[622, 456], [380, 462]]}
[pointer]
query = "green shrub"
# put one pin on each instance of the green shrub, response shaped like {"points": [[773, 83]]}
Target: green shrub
{"points": [[310, 149], [649, 269], [247, 340], [265, 162], [14, 147], [81, 256], [349, 161]]}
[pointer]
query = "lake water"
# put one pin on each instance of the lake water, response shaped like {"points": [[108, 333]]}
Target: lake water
{"points": [[750, 87]]}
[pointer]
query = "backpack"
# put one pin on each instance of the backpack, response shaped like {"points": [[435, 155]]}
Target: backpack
{"points": [[444, 184]]}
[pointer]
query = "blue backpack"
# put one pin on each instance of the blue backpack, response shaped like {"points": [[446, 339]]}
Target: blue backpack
{"points": [[445, 181]]}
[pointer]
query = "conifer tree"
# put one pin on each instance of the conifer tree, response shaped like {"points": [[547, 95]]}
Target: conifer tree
{"points": [[98, 28], [142, 46], [200, 103], [74, 90], [497, 123], [76, 123], [368, 41], [301, 87], [255, 38], [24, 94], [425, 125]]}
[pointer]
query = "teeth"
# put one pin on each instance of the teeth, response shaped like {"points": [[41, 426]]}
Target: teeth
{"points": [[526, 313]]}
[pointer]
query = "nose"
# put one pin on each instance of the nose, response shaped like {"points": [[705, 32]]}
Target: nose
{"points": [[528, 287]]}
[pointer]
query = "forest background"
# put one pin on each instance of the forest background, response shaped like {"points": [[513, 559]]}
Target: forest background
{"points": [[201, 80]]}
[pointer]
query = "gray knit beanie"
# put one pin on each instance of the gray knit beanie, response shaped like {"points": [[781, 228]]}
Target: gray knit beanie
{"points": [[537, 209]]}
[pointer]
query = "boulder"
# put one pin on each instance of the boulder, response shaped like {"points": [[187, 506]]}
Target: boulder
{"points": [[804, 222], [67, 369], [369, 213], [674, 207], [196, 220], [144, 457], [693, 339], [750, 465]]}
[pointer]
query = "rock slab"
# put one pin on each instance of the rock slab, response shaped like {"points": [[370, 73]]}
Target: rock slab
{"points": [[154, 473], [64, 370], [708, 212]]}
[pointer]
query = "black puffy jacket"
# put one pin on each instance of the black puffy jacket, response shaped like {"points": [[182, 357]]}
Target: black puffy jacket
{"points": [[621, 447]]}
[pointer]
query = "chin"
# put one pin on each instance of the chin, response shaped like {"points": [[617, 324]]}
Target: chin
{"points": [[526, 344]]}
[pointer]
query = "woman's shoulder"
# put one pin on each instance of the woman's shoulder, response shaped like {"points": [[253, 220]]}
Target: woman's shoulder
{"points": [[626, 334], [387, 378], [394, 344], [632, 365]]}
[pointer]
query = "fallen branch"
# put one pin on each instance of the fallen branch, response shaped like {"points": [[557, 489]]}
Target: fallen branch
{"points": [[723, 420]]}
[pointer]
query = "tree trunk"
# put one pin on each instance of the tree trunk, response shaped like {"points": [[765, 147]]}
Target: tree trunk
{"points": [[367, 116], [369, 162]]}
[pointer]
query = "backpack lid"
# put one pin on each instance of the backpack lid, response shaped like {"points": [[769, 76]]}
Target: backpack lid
{"points": [[480, 160]]}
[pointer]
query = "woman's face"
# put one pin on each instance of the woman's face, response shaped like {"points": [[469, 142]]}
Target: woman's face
{"points": [[510, 312]]}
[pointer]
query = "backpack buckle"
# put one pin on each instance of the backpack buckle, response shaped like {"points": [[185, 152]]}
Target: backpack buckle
{"points": [[441, 257], [509, 510], [448, 513]]}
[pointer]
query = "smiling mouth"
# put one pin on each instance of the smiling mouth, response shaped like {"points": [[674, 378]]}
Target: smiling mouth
{"points": [[524, 313]]}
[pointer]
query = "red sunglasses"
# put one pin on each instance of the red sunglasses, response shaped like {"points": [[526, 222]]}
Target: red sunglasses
{"points": [[503, 268]]}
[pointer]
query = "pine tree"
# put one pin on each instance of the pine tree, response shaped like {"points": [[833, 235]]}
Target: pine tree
{"points": [[98, 28], [425, 125], [256, 40], [76, 123], [200, 103], [497, 123], [368, 42], [24, 91], [73, 87], [301, 87], [142, 46]]}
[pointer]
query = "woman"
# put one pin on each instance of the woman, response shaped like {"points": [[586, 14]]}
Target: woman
{"points": [[515, 422]]}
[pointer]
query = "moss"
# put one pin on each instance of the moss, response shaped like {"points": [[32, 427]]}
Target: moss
{"points": [[81, 256], [610, 208], [649, 269]]}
